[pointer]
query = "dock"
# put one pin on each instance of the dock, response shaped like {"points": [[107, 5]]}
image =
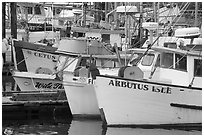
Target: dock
{"points": [[26, 105]]}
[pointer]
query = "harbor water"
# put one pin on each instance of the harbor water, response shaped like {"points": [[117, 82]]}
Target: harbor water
{"points": [[47, 123]]}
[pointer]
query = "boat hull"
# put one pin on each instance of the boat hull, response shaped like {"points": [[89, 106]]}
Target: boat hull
{"points": [[125, 102], [37, 82], [81, 96], [36, 58], [40, 62]]}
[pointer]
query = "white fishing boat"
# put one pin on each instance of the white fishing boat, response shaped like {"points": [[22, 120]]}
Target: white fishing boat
{"points": [[78, 81], [171, 95]]}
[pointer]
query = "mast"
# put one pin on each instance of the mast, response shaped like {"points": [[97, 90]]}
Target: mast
{"points": [[158, 19], [13, 20], [3, 19], [13, 31], [84, 14], [52, 23], [140, 21], [196, 14], [106, 11], [4, 25], [26, 27], [155, 13], [125, 33]]}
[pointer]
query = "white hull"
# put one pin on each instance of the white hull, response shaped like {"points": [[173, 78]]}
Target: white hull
{"points": [[37, 82], [40, 62], [81, 97], [141, 103]]}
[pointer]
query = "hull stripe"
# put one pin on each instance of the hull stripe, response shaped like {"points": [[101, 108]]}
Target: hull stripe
{"points": [[186, 106]]}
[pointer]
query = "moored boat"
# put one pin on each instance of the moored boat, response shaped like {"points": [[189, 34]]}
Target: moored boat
{"points": [[171, 95], [78, 79]]}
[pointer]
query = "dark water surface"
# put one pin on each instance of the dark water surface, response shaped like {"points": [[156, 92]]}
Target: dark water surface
{"points": [[82, 127], [49, 123]]}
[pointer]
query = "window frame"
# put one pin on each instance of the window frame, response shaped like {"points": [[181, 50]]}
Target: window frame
{"points": [[194, 72], [150, 62]]}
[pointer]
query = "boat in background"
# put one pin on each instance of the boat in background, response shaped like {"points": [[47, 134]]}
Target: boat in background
{"points": [[172, 95], [42, 59], [36, 58]]}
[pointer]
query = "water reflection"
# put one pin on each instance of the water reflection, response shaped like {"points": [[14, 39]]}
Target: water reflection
{"points": [[85, 127], [35, 128], [81, 127]]}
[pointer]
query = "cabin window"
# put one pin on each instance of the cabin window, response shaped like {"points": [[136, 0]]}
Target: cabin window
{"points": [[37, 10], [135, 58], [170, 45], [107, 63], [30, 10], [105, 38], [147, 60], [197, 68], [167, 60], [180, 62], [157, 64], [18, 9]]}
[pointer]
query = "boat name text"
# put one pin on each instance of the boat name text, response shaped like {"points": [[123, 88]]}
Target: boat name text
{"points": [[140, 86], [43, 55], [50, 85]]}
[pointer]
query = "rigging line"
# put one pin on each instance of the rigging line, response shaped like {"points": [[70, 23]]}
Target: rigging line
{"points": [[182, 10], [21, 61], [107, 63], [34, 85], [149, 47], [65, 66], [182, 57], [107, 48]]}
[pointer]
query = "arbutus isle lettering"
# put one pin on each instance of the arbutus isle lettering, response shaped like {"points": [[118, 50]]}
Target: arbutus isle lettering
{"points": [[140, 86]]}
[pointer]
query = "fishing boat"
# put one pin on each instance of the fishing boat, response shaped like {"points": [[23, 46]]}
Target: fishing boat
{"points": [[42, 59], [172, 95], [78, 79]]}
